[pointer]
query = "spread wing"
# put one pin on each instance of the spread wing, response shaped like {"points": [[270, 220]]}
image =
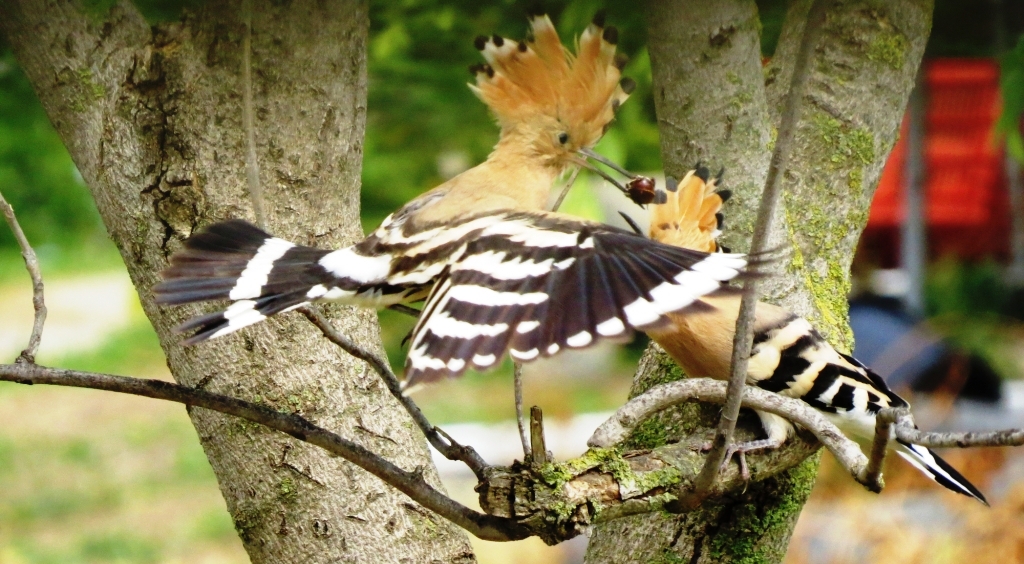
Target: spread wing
{"points": [[533, 284]]}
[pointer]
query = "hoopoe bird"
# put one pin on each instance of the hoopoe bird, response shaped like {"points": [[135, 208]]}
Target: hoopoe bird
{"points": [[788, 356], [498, 273]]}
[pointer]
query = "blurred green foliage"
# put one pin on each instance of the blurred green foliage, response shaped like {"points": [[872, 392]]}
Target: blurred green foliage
{"points": [[1011, 83], [36, 173], [421, 112], [421, 118], [963, 289]]}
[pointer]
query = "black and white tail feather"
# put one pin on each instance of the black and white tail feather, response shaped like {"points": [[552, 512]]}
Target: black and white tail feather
{"points": [[925, 460], [264, 275], [528, 283]]}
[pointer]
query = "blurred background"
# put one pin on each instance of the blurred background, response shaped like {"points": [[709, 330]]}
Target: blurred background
{"points": [[938, 306]]}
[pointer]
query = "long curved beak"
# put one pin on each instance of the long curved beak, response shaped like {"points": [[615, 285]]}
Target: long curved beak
{"points": [[591, 154], [639, 188], [598, 171]]}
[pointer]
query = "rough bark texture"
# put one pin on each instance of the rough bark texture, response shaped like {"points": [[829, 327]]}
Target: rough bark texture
{"points": [[710, 98], [716, 104], [855, 101], [153, 120]]}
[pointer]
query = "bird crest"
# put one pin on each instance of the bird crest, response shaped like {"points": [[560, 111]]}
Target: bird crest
{"points": [[523, 80], [688, 214]]}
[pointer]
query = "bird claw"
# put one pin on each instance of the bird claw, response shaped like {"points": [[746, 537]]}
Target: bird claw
{"points": [[740, 450]]}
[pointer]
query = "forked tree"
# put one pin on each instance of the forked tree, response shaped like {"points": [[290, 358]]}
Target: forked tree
{"points": [[152, 116]]}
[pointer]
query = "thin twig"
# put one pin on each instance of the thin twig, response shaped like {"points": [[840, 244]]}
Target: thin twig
{"points": [[905, 430], [538, 446], [32, 265], [759, 244], [402, 308], [517, 387], [872, 477], [442, 442], [410, 483], [252, 166], [565, 191]]}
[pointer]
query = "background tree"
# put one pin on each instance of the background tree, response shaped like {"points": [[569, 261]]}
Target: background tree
{"points": [[717, 105]]}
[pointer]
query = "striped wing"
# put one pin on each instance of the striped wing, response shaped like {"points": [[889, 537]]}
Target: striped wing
{"points": [[264, 275], [535, 284]]}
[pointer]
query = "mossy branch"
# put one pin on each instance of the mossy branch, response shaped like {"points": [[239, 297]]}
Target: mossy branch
{"points": [[555, 502]]}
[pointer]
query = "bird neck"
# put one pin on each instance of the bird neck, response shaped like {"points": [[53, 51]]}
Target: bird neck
{"points": [[519, 172], [514, 177]]}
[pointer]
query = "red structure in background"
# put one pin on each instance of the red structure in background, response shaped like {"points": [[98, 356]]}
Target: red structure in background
{"points": [[966, 198]]}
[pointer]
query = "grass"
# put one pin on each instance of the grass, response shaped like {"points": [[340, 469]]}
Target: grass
{"points": [[125, 482], [94, 477], [57, 261]]}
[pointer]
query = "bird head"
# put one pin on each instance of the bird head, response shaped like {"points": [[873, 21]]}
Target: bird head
{"points": [[555, 103], [688, 212]]}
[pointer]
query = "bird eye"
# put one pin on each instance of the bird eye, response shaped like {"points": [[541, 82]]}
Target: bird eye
{"points": [[563, 138]]}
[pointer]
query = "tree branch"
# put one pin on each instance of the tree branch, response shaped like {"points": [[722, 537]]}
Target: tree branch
{"points": [[410, 483], [660, 397], [517, 392], [32, 265], [437, 438], [560, 500], [556, 502], [879, 449], [905, 430], [759, 245]]}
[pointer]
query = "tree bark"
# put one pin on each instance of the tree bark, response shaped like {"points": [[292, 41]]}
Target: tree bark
{"points": [[152, 117], [716, 104]]}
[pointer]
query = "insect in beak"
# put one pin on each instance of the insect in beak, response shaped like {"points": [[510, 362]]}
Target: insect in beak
{"points": [[640, 189]]}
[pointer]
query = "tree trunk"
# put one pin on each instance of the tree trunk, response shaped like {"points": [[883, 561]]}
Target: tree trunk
{"points": [[715, 104], [153, 118]]}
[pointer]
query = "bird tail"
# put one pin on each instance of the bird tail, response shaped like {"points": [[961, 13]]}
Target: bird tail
{"points": [[688, 213], [538, 76], [937, 469], [235, 260]]}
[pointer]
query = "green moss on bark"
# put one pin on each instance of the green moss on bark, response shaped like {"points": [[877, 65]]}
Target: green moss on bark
{"points": [[847, 146], [889, 49], [749, 526]]}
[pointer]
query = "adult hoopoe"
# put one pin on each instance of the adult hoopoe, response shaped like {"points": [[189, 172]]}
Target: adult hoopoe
{"points": [[788, 357], [498, 273]]}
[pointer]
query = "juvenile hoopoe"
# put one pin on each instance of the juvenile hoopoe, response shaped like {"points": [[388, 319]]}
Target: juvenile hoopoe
{"points": [[788, 357], [498, 273]]}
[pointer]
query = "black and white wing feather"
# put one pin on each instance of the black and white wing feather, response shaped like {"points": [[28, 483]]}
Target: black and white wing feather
{"points": [[527, 283], [264, 275], [534, 284]]}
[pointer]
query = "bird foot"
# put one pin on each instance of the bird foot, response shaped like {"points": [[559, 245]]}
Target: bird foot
{"points": [[740, 449]]}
